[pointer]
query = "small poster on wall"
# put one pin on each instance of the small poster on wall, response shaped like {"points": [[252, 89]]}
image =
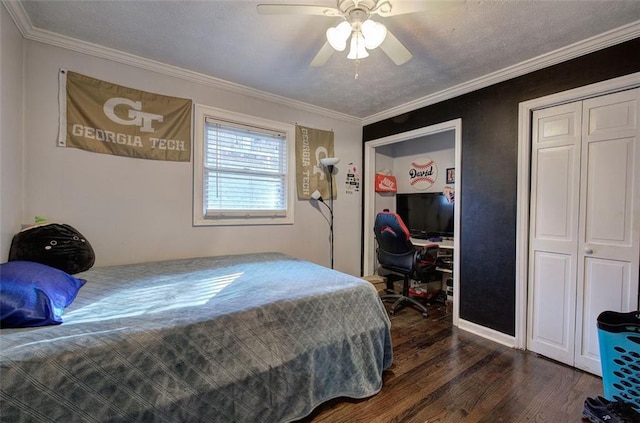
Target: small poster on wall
{"points": [[423, 172], [352, 183], [451, 175]]}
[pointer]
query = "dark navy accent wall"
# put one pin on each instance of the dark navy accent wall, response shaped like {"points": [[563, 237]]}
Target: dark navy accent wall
{"points": [[489, 172]]}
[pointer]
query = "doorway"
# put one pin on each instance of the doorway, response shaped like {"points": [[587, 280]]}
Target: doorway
{"points": [[369, 199]]}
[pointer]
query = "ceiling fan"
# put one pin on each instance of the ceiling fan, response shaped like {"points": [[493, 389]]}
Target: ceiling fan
{"points": [[364, 32]]}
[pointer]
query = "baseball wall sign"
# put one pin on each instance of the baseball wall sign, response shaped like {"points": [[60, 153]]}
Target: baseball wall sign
{"points": [[423, 173]]}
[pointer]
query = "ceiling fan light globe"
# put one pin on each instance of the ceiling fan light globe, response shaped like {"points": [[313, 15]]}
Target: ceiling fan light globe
{"points": [[357, 49], [337, 36], [374, 33], [344, 28], [334, 39]]}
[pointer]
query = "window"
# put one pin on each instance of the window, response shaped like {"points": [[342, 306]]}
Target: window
{"points": [[243, 169]]}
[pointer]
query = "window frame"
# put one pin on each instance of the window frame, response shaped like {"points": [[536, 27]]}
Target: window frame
{"points": [[201, 113]]}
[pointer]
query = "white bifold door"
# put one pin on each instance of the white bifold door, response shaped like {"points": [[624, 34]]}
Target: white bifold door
{"points": [[584, 238]]}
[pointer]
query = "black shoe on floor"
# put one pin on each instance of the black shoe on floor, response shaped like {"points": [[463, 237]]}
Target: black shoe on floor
{"points": [[601, 410]]}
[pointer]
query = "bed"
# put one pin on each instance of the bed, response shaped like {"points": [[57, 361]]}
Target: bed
{"points": [[239, 338]]}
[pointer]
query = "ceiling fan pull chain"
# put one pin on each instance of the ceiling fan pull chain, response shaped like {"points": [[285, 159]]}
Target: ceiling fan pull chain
{"points": [[357, 64]]}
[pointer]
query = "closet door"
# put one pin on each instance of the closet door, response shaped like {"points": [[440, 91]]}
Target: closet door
{"points": [[609, 237], [555, 187], [584, 245]]}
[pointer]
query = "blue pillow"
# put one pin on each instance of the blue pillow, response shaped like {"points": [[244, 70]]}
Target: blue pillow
{"points": [[34, 294]]}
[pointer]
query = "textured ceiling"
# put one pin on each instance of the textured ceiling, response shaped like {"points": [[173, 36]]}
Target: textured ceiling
{"points": [[452, 42]]}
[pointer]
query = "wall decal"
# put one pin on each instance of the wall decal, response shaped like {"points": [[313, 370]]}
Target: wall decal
{"points": [[423, 173]]}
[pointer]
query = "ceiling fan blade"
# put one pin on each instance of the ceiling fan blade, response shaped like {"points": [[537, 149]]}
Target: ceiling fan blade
{"points": [[296, 9], [400, 7], [323, 55], [395, 49]]}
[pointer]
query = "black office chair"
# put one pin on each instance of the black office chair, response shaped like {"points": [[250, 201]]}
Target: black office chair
{"points": [[398, 255]]}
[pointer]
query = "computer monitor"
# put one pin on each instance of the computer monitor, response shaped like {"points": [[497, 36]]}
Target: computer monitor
{"points": [[426, 214]]}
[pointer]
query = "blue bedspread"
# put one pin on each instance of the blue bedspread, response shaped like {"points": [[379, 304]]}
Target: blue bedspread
{"points": [[244, 338]]}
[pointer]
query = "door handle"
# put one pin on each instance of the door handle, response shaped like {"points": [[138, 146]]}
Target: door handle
{"points": [[588, 250]]}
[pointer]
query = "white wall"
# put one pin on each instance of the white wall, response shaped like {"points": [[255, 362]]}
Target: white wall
{"points": [[134, 210], [439, 147], [397, 157], [11, 132]]}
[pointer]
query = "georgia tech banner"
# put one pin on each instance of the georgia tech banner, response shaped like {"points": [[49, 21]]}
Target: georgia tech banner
{"points": [[311, 146], [107, 118]]}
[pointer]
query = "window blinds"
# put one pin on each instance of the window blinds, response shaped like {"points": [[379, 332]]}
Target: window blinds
{"points": [[245, 171]]}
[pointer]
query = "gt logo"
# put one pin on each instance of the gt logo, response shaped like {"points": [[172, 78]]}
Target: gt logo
{"points": [[136, 115]]}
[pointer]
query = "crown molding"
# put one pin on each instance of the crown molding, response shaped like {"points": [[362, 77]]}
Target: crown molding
{"points": [[589, 45], [17, 13], [28, 31]]}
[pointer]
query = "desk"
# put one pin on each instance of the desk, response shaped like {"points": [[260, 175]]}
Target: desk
{"points": [[445, 243], [447, 274]]}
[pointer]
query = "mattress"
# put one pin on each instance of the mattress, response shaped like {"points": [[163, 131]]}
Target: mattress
{"points": [[241, 338]]}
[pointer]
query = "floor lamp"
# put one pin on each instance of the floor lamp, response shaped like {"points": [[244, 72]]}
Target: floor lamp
{"points": [[329, 163]]}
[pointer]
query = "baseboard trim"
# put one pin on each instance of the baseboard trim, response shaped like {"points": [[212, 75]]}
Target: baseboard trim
{"points": [[490, 334]]}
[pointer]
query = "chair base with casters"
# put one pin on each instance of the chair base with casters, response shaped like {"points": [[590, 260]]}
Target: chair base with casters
{"points": [[403, 299], [397, 255]]}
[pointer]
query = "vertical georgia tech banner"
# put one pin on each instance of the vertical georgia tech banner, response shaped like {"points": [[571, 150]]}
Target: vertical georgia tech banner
{"points": [[111, 119], [311, 146]]}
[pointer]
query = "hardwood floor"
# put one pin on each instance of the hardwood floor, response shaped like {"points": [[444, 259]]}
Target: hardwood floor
{"points": [[442, 374]]}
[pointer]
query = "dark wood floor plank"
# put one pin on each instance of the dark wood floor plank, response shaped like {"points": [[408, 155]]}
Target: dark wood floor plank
{"points": [[472, 393], [443, 374]]}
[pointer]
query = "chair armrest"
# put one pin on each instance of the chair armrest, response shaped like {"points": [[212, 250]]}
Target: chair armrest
{"points": [[426, 254]]}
